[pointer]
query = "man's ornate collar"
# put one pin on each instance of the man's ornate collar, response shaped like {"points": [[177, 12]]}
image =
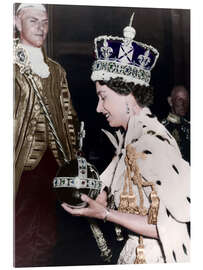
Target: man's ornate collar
{"points": [[173, 118], [20, 56], [30, 59]]}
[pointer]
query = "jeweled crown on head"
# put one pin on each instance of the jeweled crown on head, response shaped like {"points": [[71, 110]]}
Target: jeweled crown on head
{"points": [[123, 57]]}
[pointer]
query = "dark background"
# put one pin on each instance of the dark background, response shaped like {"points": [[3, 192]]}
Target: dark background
{"points": [[72, 30]]}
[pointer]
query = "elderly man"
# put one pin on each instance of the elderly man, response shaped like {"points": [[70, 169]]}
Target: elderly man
{"points": [[40, 146], [175, 122]]}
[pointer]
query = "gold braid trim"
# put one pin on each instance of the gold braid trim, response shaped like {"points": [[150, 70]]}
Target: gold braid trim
{"points": [[106, 253], [68, 120], [123, 206], [128, 199]]}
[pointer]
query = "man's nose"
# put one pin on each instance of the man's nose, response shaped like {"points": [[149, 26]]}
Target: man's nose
{"points": [[181, 102], [40, 26]]}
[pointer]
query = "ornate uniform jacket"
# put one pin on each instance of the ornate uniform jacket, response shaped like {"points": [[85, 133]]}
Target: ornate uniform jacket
{"points": [[164, 167], [179, 127], [32, 134]]}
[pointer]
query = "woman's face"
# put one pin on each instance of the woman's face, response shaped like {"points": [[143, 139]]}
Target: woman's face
{"points": [[113, 106]]}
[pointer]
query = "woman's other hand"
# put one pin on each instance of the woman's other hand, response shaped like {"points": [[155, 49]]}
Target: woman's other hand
{"points": [[96, 208], [102, 198]]}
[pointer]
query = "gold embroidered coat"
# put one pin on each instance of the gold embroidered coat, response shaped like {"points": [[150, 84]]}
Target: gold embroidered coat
{"points": [[32, 135]]}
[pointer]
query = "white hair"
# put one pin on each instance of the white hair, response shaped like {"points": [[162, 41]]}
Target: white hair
{"points": [[34, 6]]}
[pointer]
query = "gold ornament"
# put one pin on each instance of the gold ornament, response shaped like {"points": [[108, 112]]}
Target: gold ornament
{"points": [[128, 199], [154, 208], [123, 205], [140, 258]]}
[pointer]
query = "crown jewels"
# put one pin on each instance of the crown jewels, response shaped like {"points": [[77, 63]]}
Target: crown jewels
{"points": [[123, 57]]}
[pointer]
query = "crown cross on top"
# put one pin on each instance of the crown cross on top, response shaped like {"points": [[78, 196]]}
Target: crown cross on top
{"points": [[81, 135], [144, 60], [106, 50]]}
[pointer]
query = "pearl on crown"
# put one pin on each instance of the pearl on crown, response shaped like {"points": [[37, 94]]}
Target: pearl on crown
{"points": [[129, 32]]}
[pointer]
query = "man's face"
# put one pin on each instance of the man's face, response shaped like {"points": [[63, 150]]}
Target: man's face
{"points": [[33, 27], [180, 102]]}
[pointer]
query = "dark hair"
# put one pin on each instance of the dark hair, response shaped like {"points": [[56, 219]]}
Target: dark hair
{"points": [[143, 94]]}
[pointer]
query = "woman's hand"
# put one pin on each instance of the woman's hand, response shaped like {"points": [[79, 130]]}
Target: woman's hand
{"points": [[96, 208]]}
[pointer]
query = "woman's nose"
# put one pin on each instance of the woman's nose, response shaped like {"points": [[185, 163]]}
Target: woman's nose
{"points": [[99, 107]]}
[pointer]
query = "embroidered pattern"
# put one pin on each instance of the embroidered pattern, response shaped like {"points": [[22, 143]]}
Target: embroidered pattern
{"points": [[128, 199]]}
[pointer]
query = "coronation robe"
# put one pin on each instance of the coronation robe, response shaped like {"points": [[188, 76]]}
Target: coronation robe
{"points": [[170, 173]]}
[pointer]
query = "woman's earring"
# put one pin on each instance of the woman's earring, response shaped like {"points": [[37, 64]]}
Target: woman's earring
{"points": [[127, 108]]}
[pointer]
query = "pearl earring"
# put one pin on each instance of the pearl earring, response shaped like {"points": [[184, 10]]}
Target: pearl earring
{"points": [[127, 108]]}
